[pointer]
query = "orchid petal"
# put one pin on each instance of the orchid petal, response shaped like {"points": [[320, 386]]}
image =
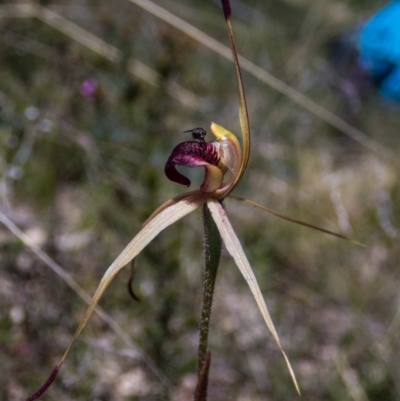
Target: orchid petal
{"points": [[235, 249], [166, 217], [301, 223], [230, 156], [212, 179]]}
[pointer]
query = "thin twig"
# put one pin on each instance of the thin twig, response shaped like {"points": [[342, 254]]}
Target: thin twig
{"points": [[106, 50]]}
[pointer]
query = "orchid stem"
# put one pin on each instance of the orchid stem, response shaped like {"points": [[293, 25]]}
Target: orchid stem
{"points": [[212, 253]]}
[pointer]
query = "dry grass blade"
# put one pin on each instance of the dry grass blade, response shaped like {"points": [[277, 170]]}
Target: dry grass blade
{"points": [[10, 11], [72, 30], [235, 249], [301, 223], [349, 377], [105, 50], [85, 296], [270, 80]]}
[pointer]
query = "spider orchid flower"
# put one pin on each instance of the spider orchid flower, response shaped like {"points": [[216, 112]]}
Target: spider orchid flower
{"points": [[224, 161]]}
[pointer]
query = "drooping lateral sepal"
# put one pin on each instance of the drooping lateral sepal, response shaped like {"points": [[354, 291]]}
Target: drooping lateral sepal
{"points": [[167, 214], [235, 249]]}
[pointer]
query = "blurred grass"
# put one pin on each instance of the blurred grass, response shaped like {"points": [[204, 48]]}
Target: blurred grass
{"points": [[80, 175]]}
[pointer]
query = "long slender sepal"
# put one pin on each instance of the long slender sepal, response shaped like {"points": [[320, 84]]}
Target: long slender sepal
{"points": [[243, 114], [169, 215], [212, 254], [302, 223], [235, 249]]}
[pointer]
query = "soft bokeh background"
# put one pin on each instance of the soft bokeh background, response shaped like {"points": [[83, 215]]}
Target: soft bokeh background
{"points": [[84, 140]]}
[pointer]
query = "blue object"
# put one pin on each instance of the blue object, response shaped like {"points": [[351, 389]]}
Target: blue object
{"points": [[390, 86], [379, 47]]}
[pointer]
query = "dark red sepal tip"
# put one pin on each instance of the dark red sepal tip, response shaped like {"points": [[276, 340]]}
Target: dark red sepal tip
{"points": [[130, 288], [45, 385], [226, 6]]}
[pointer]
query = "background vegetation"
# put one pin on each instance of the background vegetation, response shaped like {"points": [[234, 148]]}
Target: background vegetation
{"points": [[80, 174]]}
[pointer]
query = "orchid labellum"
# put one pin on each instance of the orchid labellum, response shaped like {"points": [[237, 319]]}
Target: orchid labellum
{"points": [[218, 158], [224, 160]]}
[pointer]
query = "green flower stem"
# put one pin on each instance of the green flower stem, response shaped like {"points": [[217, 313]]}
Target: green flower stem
{"points": [[212, 253]]}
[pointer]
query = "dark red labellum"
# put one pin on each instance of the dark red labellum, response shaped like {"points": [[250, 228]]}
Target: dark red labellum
{"points": [[190, 154]]}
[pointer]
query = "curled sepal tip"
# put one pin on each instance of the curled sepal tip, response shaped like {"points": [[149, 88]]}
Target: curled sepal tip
{"points": [[46, 385], [130, 281]]}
